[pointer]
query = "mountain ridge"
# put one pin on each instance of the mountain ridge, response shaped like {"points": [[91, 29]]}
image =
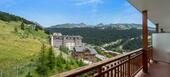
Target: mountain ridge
{"points": [[120, 26]]}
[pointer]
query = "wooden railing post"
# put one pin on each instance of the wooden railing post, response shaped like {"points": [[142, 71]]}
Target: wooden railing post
{"points": [[145, 39], [157, 28], [129, 66], [99, 71], [145, 61]]}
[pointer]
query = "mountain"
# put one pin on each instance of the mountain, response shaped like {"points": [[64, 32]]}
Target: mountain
{"points": [[122, 26], [70, 25], [101, 26]]}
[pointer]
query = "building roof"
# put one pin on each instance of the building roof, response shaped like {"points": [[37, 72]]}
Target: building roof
{"points": [[60, 35], [82, 49], [158, 11], [79, 49], [92, 51], [68, 36], [57, 34]]}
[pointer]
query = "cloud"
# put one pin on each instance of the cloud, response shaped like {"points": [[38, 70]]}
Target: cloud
{"points": [[87, 2], [128, 14]]}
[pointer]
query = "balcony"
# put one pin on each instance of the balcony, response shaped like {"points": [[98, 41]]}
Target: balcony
{"points": [[126, 65], [136, 63]]}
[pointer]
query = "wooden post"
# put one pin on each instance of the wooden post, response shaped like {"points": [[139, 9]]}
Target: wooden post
{"points": [[145, 40], [129, 72], [99, 71], [157, 28]]}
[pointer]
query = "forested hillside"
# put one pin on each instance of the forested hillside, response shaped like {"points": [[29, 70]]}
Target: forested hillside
{"points": [[98, 36], [130, 36]]}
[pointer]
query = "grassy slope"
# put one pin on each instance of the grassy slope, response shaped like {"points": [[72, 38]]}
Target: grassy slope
{"points": [[15, 50]]}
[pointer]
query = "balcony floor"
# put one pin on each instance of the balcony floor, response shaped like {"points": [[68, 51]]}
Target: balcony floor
{"points": [[156, 70]]}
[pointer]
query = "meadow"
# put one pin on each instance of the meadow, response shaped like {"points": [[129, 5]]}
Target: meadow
{"points": [[18, 47]]}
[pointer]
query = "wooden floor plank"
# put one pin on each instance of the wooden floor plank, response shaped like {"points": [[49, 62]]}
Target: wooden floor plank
{"points": [[156, 70]]}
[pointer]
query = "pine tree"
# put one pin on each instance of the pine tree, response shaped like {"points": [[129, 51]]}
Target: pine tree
{"points": [[64, 49], [36, 28], [29, 75], [22, 26], [15, 29], [51, 58], [41, 64]]}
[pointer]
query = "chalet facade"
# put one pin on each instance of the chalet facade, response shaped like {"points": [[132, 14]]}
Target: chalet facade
{"points": [[83, 53]]}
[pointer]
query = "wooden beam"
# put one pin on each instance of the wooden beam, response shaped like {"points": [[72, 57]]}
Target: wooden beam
{"points": [[157, 28], [145, 39]]}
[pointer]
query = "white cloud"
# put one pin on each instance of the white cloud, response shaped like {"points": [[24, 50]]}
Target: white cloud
{"points": [[86, 2], [93, 5]]}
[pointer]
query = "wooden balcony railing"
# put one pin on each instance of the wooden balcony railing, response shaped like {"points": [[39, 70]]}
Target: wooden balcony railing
{"points": [[125, 65], [150, 54]]}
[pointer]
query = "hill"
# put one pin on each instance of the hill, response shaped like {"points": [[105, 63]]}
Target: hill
{"points": [[10, 17], [18, 46]]}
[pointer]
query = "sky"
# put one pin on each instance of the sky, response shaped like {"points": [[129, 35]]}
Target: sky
{"points": [[52, 12]]}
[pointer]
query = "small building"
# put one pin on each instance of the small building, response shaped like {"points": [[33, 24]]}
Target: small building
{"points": [[83, 53]]}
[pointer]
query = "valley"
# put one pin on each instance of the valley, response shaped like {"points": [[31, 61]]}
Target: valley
{"points": [[25, 47]]}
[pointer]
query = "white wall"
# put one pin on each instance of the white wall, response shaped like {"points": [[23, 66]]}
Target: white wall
{"points": [[161, 47], [70, 45]]}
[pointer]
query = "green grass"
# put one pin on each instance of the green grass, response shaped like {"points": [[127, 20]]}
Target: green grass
{"points": [[15, 50], [103, 53], [97, 59]]}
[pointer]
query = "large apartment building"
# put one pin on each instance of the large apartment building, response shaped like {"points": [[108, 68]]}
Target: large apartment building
{"points": [[57, 39]]}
